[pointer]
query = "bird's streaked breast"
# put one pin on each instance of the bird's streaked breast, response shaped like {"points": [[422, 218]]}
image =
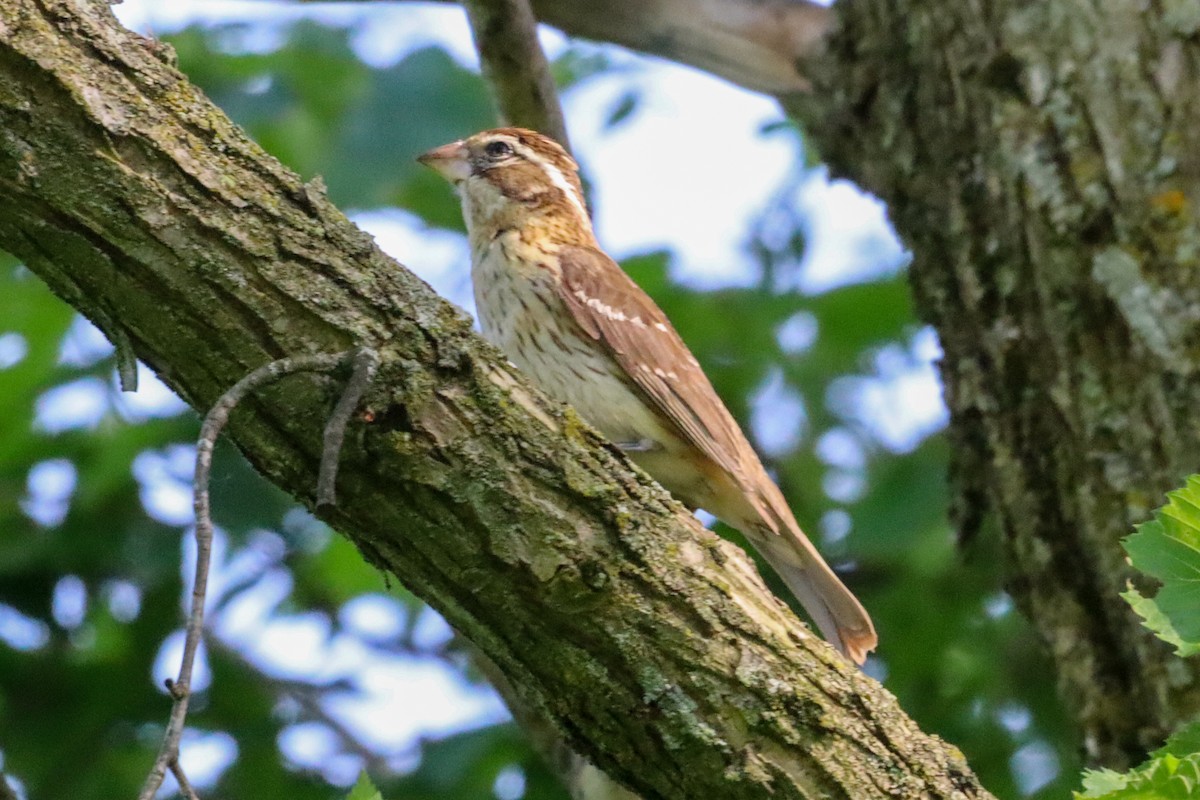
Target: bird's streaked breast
{"points": [[520, 312]]}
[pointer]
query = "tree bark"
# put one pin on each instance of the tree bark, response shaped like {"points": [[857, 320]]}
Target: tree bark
{"points": [[653, 645], [581, 778], [1041, 159]]}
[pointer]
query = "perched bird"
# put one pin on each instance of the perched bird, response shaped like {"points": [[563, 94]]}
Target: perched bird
{"points": [[571, 319]]}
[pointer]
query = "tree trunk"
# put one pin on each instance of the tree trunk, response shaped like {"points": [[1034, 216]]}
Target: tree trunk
{"points": [[652, 645], [1041, 160]]}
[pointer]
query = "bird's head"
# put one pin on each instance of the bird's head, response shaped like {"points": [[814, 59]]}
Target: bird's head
{"points": [[513, 178]]}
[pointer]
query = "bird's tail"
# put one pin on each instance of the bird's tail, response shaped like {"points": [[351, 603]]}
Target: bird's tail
{"points": [[840, 617]]}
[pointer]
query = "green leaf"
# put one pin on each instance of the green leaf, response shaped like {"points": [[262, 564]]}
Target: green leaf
{"points": [[1156, 620], [1101, 782], [1173, 771], [1166, 777], [364, 789], [1168, 548], [622, 110], [578, 63], [1182, 743]]}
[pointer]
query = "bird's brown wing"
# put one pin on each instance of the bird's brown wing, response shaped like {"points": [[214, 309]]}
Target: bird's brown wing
{"points": [[614, 310]]}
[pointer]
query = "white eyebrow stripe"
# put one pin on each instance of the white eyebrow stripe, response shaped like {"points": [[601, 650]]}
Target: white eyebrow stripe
{"points": [[555, 174]]}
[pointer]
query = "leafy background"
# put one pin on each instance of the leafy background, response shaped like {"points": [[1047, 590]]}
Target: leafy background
{"points": [[305, 638]]}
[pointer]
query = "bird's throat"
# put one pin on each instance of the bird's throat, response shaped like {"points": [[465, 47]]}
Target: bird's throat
{"points": [[543, 217]]}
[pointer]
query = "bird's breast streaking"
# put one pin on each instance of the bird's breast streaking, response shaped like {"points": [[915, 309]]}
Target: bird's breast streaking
{"points": [[521, 312]]}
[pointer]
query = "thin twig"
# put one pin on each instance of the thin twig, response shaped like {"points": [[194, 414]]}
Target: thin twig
{"points": [[185, 788], [505, 33], [127, 369], [214, 422], [366, 361]]}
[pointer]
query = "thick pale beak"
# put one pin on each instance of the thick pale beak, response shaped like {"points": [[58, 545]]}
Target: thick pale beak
{"points": [[450, 161]]}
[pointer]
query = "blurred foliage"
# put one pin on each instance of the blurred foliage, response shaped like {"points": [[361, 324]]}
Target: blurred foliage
{"points": [[76, 686]]}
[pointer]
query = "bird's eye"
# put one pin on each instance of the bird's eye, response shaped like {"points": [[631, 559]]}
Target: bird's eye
{"points": [[498, 149]]}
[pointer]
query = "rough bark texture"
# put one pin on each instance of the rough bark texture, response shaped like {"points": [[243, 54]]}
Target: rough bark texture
{"points": [[581, 778], [653, 646], [1041, 159]]}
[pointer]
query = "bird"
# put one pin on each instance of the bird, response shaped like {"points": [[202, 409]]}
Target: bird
{"points": [[586, 334]]}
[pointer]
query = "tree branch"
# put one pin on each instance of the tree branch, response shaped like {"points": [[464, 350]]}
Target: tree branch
{"points": [[515, 67], [763, 45], [579, 775], [652, 644], [185, 786]]}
